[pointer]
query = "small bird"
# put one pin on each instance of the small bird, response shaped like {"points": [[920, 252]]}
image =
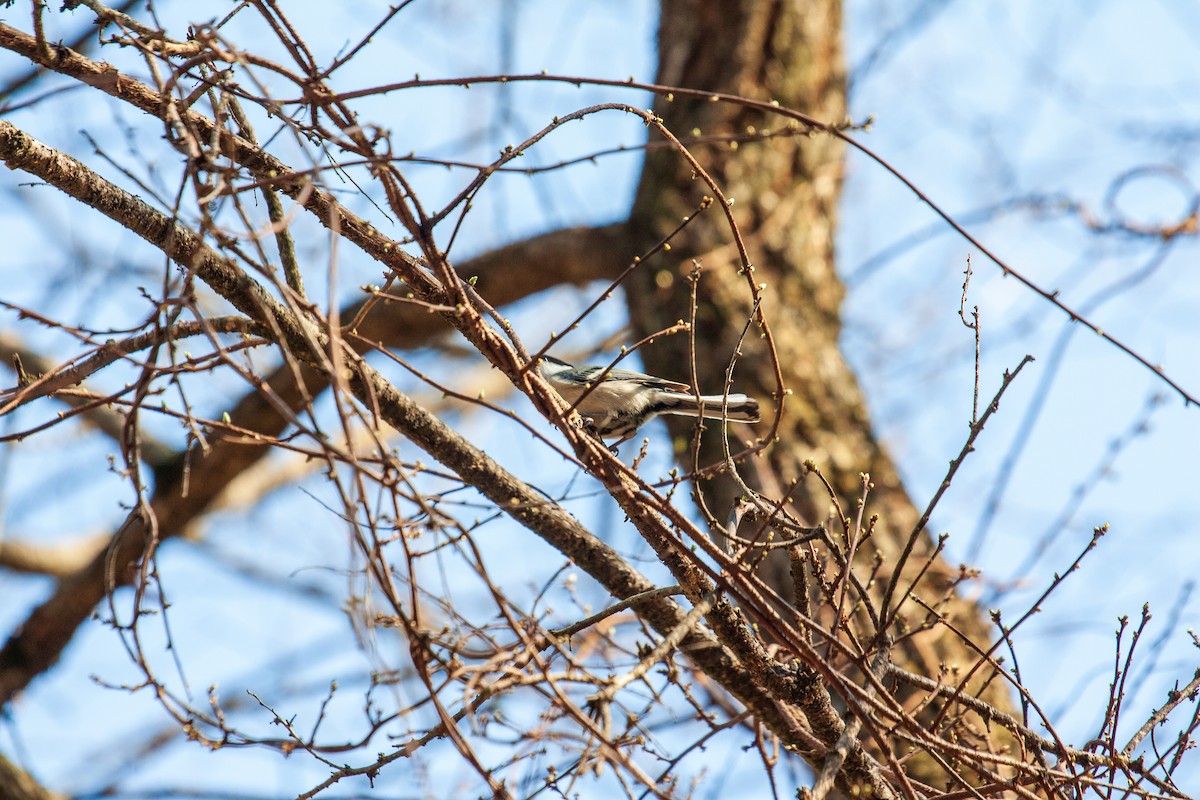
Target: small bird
{"points": [[623, 401]]}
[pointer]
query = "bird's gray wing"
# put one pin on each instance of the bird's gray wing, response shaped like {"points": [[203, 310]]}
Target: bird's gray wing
{"points": [[645, 380]]}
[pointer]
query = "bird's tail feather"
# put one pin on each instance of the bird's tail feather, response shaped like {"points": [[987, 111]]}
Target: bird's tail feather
{"points": [[737, 407]]}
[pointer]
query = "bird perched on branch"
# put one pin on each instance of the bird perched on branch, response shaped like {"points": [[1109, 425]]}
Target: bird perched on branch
{"points": [[618, 402]]}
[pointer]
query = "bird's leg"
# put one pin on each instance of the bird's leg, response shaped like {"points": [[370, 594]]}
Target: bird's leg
{"points": [[589, 425]]}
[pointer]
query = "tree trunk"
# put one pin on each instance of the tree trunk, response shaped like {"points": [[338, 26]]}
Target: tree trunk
{"points": [[786, 190]]}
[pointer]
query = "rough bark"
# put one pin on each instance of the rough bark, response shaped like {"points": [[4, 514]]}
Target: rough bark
{"points": [[786, 191]]}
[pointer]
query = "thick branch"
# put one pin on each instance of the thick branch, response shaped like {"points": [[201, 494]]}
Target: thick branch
{"points": [[16, 784]]}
